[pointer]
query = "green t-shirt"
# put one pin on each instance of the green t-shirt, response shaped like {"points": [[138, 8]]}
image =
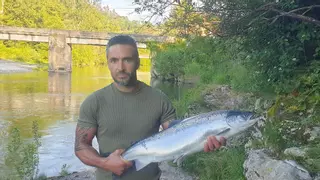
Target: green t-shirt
{"points": [[124, 118]]}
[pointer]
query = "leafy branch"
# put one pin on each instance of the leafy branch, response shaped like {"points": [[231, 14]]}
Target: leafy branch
{"points": [[292, 13]]}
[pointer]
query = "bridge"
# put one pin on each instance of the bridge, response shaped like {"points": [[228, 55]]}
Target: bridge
{"points": [[60, 42]]}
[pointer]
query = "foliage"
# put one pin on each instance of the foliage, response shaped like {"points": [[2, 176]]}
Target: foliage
{"points": [[23, 158], [61, 14], [191, 96], [64, 170], [260, 46], [275, 49], [215, 60], [172, 62], [223, 164]]}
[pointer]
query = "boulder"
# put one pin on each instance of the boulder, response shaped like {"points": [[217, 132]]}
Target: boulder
{"points": [[314, 133], [260, 166], [296, 152]]}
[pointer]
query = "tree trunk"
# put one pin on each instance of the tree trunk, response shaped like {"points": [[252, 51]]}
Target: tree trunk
{"points": [[2, 7]]}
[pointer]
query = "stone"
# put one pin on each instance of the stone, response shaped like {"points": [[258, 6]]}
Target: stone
{"points": [[260, 166], [222, 97], [314, 133], [248, 145], [60, 56], [317, 177], [296, 152]]}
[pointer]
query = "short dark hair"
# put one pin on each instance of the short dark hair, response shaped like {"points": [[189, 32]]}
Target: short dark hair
{"points": [[123, 39]]}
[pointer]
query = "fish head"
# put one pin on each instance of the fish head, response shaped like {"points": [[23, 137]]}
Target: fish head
{"points": [[241, 120]]}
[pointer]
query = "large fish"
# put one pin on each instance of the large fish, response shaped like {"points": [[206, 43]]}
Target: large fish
{"points": [[188, 137]]}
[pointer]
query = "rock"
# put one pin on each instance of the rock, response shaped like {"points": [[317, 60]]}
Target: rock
{"points": [[314, 133], [169, 172], [248, 145], [257, 104], [317, 177], [238, 140], [84, 175], [222, 97], [260, 166], [296, 152]]}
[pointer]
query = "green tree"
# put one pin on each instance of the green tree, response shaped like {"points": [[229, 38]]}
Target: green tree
{"points": [[86, 15]]}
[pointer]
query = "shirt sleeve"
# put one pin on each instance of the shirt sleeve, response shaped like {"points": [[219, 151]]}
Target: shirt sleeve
{"points": [[168, 111], [88, 112]]}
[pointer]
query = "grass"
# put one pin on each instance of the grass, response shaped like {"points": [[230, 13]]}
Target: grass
{"points": [[220, 165], [192, 96], [64, 170]]}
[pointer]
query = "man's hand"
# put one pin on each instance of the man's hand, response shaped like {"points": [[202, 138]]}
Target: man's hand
{"points": [[116, 164], [213, 144]]}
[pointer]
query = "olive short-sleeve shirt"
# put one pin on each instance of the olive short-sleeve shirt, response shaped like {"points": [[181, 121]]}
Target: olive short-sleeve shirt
{"points": [[124, 118]]}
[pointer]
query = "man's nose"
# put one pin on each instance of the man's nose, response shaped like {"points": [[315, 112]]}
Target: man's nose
{"points": [[120, 65]]}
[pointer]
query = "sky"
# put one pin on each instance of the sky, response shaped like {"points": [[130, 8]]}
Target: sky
{"points": [[125, 8]]}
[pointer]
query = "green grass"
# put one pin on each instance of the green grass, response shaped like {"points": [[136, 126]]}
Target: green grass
{"points": [[225, 164]]}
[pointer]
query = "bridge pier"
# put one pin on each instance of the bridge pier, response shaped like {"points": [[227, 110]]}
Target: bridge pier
{"points": [[60, 56]]}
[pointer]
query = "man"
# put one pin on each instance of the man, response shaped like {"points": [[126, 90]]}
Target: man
{"points": [[122, 113]]}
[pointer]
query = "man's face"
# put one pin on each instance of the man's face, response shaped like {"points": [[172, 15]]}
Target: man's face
{"points": [[122, 64]]}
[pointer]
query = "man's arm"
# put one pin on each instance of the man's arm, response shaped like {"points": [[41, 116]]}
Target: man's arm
{"points": [[88, 155], [83, 146]]}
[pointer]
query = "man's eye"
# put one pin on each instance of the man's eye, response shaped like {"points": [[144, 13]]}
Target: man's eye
{"points": [[128, 60]]}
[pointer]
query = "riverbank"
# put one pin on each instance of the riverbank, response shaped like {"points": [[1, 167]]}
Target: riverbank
{"points": [[168, 173], [7, 66]]}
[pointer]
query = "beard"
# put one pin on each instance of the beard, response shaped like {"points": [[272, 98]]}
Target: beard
{"points": [[129, 81]]}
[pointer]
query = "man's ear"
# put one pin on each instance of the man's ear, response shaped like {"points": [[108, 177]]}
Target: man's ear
{"points": [[138, 64]]}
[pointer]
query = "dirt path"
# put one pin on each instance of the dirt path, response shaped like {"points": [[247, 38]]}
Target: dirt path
{"points": [[7, 66], [168, 173]]}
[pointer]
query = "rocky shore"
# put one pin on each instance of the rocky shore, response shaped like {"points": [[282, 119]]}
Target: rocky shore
{"points": [[7, 66], [168, 173]]}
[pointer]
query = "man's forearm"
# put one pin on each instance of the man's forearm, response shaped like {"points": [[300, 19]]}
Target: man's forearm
{"points": [[90, 156]]}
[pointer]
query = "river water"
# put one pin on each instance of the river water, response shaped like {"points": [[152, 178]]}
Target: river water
{"points": [[53, 100]]}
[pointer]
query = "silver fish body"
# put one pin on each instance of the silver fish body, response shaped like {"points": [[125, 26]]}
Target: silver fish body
{"points": [[188, 137]]}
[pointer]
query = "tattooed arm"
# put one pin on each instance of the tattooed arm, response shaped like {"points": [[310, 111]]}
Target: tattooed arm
{"points": [[88, 155], [83, 146]]}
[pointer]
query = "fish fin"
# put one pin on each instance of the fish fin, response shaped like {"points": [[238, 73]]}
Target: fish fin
{"points": [[176, 159], [140, 164], [179, 160], [222, 130]]}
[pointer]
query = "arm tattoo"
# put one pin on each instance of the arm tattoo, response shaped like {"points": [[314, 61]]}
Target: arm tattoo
{"points": [[81, 137]]}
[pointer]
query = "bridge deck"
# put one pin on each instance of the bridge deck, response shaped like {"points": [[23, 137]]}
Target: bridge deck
{"points": [[72, 37]]}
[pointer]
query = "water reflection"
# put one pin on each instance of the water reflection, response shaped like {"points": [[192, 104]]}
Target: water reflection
{"points": [[173, 91], [59, 89], [53, 100]]}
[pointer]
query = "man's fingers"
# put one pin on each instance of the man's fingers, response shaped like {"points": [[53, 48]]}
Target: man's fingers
{"points": [[223, 141], [210, 143], [206, 147], [215, 142], [128, 164], [120, 151]]}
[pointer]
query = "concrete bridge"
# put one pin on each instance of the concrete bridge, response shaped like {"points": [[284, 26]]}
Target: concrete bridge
{"points": [[60, 42]]}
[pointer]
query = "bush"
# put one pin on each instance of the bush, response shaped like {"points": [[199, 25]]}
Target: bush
{"points": [[22, 158]]}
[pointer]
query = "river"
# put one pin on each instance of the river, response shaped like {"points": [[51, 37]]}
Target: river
{"points": [[53, 100]]}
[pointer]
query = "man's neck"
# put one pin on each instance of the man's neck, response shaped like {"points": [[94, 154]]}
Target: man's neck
{"points": [[135, 87]]}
